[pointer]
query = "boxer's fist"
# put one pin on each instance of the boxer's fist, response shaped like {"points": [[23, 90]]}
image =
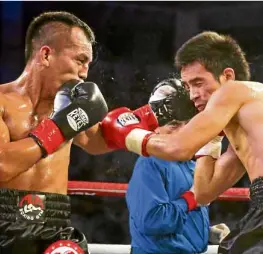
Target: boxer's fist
{"points": [[146, 114], [82, 103], [171, 101], [78, 106], [126, 129]]}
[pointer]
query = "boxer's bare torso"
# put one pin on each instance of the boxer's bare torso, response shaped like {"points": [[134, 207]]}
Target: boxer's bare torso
{"points": [[245, 130], [17, 119]]}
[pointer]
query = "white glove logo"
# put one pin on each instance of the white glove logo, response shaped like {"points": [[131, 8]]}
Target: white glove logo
{"points": [[127, 118], [77, 119]]}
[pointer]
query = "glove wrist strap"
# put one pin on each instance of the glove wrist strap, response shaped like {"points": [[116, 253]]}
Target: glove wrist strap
{"points": [[136, 141], [189, 197], [48, 136]]}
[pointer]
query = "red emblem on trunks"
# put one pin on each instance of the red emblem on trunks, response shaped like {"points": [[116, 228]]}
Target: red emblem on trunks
{"points": [[31, 199], [31, 207], [64, 247]]}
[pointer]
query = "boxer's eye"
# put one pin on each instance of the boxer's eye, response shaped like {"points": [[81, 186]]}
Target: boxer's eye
{"points": [[81, 61], [186, 87], [198, 84]]}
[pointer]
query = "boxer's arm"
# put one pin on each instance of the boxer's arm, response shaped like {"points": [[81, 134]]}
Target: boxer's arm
{"points": [[16, 157], [213, 177], [92, 141], [182, 145]]}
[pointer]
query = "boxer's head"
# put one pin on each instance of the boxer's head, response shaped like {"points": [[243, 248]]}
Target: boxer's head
{"points": [[206, 61], [59, 47]]}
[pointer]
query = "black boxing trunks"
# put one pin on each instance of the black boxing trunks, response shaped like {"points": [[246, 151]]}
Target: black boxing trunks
{"points": [[31, 221], [247, 236]]}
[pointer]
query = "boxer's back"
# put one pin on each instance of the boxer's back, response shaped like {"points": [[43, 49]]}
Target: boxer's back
{"points": [[245, 130], [16, 120]]}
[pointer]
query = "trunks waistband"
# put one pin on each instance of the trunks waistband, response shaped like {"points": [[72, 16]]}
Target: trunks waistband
{"points": [[34, 207], [256, 192]]}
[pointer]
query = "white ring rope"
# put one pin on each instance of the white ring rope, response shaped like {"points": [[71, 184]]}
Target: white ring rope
{"points": [[125, 249]]}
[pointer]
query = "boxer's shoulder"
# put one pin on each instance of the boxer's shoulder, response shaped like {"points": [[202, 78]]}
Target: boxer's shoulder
{"points": [[12, 100], [8, 92], [231, 93], [242, 86], [15, 113], [256, 86], [234, 85]]}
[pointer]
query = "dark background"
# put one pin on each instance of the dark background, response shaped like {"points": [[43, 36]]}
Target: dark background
{"points": [[136, 46]]}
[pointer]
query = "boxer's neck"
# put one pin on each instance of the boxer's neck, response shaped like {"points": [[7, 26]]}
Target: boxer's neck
{"points": [[30, 85]]}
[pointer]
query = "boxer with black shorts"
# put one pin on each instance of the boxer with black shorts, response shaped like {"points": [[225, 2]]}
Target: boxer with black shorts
{"points": [[214, 69], [41, 113]]}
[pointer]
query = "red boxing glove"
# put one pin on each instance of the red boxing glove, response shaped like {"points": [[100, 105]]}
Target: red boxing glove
{"points": [[146, 113], [130, 130]]}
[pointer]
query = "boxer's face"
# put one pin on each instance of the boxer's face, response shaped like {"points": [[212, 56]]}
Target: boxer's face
{"points": [[71, 61], [200, 82]]}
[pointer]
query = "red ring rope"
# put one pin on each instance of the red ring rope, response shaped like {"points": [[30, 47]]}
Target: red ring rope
{"points": [[119, 190]]}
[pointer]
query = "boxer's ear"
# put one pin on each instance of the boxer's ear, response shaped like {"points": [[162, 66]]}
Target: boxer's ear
{"points": [[229, 74], [45, 55]]}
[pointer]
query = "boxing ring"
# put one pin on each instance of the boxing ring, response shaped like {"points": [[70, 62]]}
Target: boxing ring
{"points": [[119, 190]]}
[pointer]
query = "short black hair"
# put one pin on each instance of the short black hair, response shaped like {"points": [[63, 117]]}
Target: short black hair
{"points": [[43, 27], [215, 52]]}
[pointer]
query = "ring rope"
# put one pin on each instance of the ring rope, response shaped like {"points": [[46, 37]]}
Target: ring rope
{"points": [[125, 249], [119, 190]]}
